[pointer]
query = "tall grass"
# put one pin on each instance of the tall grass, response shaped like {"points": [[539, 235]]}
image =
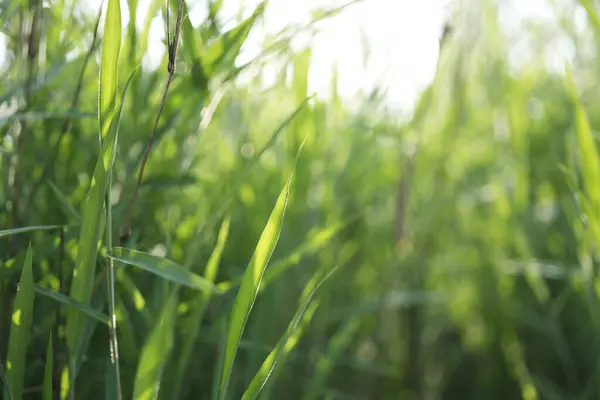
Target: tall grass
{"points": [[464, 240]]}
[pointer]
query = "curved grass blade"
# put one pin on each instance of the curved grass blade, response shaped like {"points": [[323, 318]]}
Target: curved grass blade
{"points": [[47, 387], [92, 216], [288, 341], [251, 281], [222, 53], [210, 274], [69, 302], [314, 242], [162, 267], [16, 231], [111, 46], [155, 352], [19, 332]]}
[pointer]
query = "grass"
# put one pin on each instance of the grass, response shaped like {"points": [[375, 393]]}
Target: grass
{"points": [[254, 241]]}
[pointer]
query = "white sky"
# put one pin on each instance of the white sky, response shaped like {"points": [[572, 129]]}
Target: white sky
{"points": [[402, 36]]}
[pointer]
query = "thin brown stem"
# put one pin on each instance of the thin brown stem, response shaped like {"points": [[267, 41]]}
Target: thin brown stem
{"points": [[125, 231]]}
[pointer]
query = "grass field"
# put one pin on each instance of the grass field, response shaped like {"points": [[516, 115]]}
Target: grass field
{"points": [[176, 234]]}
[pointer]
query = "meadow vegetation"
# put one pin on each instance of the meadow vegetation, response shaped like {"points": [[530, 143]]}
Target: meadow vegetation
{"points": [[283, 246]]}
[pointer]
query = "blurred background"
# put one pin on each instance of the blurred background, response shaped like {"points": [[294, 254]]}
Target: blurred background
{"points": [[452, 182]]}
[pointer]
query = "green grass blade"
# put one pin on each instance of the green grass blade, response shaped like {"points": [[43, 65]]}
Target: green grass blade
{"points": [[47, 388], [593, 16], [69, 302], [16, 231], [91, 232], [590, 164], [155, 352], [163, 267], [199, 308], [110, 387], [251, 282], [111, 46], [222, 53], [19, 331], [287, 341]]}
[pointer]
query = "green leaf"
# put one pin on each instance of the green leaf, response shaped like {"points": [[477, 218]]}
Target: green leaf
{"points": [[288, 341], [590, 163], [110, 387], [69, 302], [155, 352], [15, 231], [223, 51], [592, 14], [162, 267], [251, 282], [91, 224], [111, 46], [18, 342], [47, 388]]}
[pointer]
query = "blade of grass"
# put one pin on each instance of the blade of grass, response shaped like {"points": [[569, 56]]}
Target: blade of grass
{"points": [[111, 47], [222, 53], [590, 164], [155, 352], [19, 332], [288, 341], [163, 267], [92, 216], [47, 390], [251, 282], [16, 231], [73, 304]]}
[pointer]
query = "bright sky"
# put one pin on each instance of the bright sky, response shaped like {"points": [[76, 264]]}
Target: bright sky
{"points": [[402, 37]]}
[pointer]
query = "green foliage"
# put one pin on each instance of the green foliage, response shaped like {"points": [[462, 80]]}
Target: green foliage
{"points": [[467, 236], [18, 343]]}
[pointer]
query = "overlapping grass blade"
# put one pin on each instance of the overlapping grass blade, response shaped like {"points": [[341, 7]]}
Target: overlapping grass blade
{"points": [[47, 387], [111, 48], [16, 231], [92, 216], [221, 54], [18, 342], [164, 268], [589, 160], [199, 306], [288, 341], [155, 352], [70, 303], [315, 241], [251, 282]]}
